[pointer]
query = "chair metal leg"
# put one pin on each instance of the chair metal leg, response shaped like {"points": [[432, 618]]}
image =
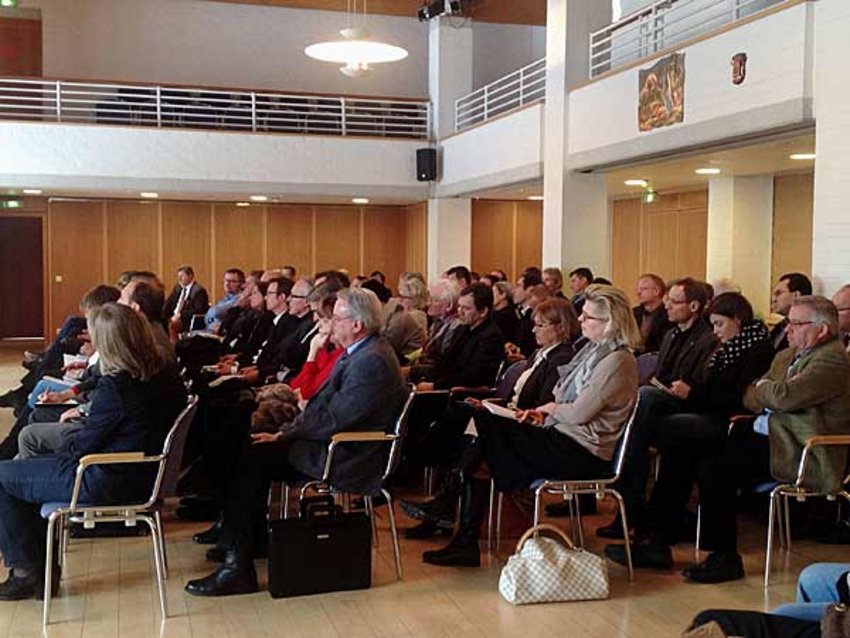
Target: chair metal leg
{"points": [[393, 533], [500, 501], [370, 512], [622, 506], [163, 549], [63, 533], [284, 501], [786, 506], [48, 568], [490, 515], [578, 522], [538, 494], [699, 533], [771, 517], [157, 559]]}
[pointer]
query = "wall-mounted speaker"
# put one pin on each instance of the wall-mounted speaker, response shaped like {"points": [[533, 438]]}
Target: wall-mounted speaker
{"points": [[426, 164]]}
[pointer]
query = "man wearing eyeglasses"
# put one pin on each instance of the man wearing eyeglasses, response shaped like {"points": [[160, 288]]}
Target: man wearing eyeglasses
{"points": [[234, 280]]}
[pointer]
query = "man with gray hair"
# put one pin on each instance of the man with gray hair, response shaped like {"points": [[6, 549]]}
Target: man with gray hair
{"points": [[442, 309], [805, 393], [364, 392], [841, 299]]}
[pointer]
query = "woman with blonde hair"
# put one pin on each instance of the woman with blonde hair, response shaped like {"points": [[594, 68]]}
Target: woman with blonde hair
{"points": [[573, 436], [137, 400]]}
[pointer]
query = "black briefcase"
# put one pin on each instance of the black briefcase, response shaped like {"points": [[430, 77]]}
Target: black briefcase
{"points": [[324, 550]]}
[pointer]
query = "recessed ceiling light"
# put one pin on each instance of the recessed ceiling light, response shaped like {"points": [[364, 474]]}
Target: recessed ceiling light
{"points": [[640, 183], [707, 171], [802, 156], [149, 195], [359, 200], [259, 198], [535, 198], [240, 204], [32, 191]]}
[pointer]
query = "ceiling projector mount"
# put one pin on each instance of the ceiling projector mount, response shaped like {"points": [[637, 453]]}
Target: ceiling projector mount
{"points": [[436, 8]]}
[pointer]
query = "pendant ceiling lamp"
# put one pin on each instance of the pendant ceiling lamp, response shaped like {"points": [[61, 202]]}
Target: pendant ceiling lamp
{"points": [[356, 51]]}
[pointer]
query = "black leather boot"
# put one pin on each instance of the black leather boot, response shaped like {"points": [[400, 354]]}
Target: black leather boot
{"points": [[440, 510], [463, 550], [210, 535], [236, 576]]}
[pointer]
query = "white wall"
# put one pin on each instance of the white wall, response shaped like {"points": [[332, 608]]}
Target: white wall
{"points": [[776, 93], [499, 49], [504, 151], [62, 156], [219, 44]]}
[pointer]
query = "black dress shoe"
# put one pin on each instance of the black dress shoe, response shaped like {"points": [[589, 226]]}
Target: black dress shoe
{"points": [[438, 513], [644, 556], [218, 554], [17, 588], [210, 535], [455, 554], [12, 399], [426, 529], [236, 576], [717, 568]]}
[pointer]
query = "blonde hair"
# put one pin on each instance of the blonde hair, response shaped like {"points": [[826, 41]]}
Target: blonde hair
{"points": [[413, 285], [124, 341], [622, 327]]}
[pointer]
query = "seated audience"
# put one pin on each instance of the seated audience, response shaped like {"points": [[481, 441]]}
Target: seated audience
{"points": [[403, 332], [805, 393], [234, 280], [744, 354], [841, 299], [138, 398], [525, 342], [289, 272], [187, 299], [573, 436], [323, 354], [650, 313], [553, 279], [504, 311], [413, 292], [365, 392], [580, 279], [445, 326], [460, 275], [789, 287]]}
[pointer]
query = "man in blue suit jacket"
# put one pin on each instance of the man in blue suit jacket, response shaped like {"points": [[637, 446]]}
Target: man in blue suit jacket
{"points": [[364, 392]]}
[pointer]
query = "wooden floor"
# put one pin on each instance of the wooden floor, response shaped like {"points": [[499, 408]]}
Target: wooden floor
{"points": [[107, 590]]}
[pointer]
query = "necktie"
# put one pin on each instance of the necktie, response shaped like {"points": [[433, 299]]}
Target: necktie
{"points": [[181, 302]]}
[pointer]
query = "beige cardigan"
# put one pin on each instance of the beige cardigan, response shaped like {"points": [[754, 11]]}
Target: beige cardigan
{"points": [[595, 418]]}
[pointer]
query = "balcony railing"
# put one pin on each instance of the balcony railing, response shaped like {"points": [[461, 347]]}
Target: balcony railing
{"points": [[664, 24], [516, 89], [192, 108]]}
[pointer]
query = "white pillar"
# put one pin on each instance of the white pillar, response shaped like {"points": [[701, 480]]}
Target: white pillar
{"points": [[831, 216], [449, 235], [740, 235], [449, 71], [576, 216]]}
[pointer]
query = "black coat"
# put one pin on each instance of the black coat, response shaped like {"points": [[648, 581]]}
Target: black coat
{"points": [[473, 358], [508, 322], [197, 303], [658, 327], [683, 355], [539, 385]]}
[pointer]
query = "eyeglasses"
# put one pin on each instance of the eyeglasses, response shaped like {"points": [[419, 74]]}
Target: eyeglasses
{"points": [[797, 324], [543, 325], [231, 281], [843, 309], [273, 292], [677, 301], [294, 296], [586, 317], [337, 318]]}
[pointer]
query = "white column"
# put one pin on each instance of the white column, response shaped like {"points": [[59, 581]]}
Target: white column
{"points": [[831, 217], [740, 235], [576, 215], [449, 235], [449, 71]]}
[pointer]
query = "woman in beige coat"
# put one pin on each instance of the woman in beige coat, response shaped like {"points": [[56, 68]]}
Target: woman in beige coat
{"points": [[572, 437]]}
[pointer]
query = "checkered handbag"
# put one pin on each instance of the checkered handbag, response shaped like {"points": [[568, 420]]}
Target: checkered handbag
{"points": [[546, 570]]}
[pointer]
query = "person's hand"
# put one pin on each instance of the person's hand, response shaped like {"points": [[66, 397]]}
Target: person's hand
{"points": [[228, 358], [532, 417], [424, 386], [405, 372], [547, 408], [680, 389], [223, 367], [84, 336], [250, 374], [473, 402], [75, 365], [87, 349], [55, 397], [67, 415], [265, 437]]}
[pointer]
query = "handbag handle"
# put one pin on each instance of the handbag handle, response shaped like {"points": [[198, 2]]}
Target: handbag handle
{"points": [[545, 527]]}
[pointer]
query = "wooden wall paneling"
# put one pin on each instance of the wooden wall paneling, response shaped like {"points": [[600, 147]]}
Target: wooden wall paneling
{"points": [[417, 238], [529, 237], [132, 238], [20, 47], [289, 237], [385, 242], [186, 239], [693, 199], [76, 250], [338, 238], [793, 204], [692, 244], [662, 234], [492, 235], [626, 238], [238, 237]]}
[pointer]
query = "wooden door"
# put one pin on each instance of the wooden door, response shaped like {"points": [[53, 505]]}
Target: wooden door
{"points": [[21, 277]]}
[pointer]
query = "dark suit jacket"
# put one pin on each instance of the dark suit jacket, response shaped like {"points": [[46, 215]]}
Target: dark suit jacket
{"points": [[658, 327], [539, 385], [779, 336], [525, 340], [197, 304], [126, 415], [683, 354], [473, 359], [266, 361], [292, 350], [364, 393]]}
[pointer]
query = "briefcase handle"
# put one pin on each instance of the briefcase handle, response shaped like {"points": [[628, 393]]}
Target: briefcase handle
{"points": [[324, 506]]}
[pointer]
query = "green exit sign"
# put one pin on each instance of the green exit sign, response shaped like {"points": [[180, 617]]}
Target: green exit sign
{"points": [[8, 3]]}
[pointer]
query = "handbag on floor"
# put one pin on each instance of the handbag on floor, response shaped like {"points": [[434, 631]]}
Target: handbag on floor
{"points": [[550, 568], [323, 550]]}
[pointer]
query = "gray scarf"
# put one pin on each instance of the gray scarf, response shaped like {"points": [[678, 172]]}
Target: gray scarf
{"points": [[575, 374]]}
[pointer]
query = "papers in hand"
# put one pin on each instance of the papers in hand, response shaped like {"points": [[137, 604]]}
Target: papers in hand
{"points": [[225, 377], [498, 410]]}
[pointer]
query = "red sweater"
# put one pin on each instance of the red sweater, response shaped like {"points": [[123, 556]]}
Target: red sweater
{"points": [[315, 373]]}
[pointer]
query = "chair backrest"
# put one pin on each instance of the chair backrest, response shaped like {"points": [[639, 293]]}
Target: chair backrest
{"points": [[400, 432], [505, 386], [646, 364], [625, 438], [172, 450]]}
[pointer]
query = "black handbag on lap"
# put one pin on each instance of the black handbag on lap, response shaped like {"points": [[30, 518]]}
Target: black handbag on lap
{"points": [[323, 550]]}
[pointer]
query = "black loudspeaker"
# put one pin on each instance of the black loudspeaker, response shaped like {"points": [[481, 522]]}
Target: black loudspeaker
{"points": [[426, 164]]}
